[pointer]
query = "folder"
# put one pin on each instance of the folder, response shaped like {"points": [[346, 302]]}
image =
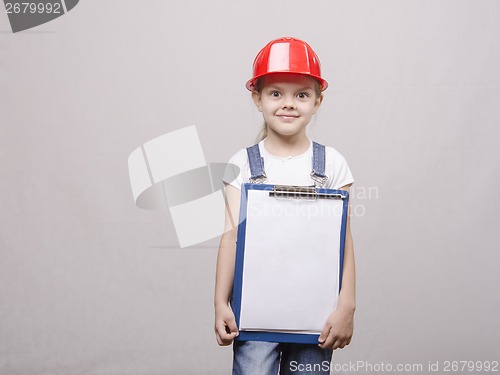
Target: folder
{"points": [[289, 257]]}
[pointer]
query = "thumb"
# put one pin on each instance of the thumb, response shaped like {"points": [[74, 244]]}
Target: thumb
{"points": [[324, 334], [231, 323]]}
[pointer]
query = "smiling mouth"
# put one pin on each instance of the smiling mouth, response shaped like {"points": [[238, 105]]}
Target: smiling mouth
{"points": [[287, 117]]}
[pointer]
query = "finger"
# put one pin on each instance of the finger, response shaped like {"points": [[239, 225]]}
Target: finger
{"points": [[233, 328], [225, 336], [324, 334], [342, 345], [221, 331], [332, 336], [223, 341], [217, 337], [337, 344]]}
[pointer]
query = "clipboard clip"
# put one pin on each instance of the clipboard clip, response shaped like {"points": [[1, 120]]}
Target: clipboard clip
{"points": [[302, 192]]}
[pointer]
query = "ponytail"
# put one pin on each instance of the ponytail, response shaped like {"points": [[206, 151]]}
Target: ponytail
{"points": [[262, 133], [259, 83]]}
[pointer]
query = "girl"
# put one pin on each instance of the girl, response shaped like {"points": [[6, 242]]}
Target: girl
{"points": [[287, 89]]}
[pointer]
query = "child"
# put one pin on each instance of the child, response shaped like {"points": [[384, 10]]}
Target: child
{"points": [[287, 89]]}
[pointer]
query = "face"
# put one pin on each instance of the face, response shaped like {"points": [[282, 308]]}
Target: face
{"points": [[287, 102]]}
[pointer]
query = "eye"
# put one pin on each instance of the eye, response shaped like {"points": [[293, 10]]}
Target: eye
{"points": [[275, 94], [303, 95]]}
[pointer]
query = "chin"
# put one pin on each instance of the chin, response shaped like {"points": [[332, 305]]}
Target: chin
{"points": [[288, 129], [288, 134]]}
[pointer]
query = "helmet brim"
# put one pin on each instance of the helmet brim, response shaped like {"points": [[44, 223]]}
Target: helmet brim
{"points": [[250, 85]]}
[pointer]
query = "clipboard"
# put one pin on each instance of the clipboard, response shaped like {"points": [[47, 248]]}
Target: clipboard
{"points": [[289, 258]]}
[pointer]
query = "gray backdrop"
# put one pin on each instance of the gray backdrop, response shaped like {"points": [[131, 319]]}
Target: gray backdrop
{"points": [[91, 284]]}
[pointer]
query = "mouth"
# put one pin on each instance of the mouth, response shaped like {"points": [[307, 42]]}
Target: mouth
{"points": [[287, 117]]}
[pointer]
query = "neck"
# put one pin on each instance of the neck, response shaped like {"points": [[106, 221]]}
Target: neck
{"points": [[292, 145]]}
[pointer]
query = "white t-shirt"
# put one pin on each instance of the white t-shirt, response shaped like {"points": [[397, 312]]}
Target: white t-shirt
{"points": [[291, 170]]}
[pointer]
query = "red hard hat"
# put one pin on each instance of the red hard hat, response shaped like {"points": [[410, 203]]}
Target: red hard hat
{"points": [[286, 55]]}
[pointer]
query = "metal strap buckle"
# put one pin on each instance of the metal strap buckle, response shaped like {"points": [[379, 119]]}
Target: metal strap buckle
{"points": [[319, 180], [259, 179]]}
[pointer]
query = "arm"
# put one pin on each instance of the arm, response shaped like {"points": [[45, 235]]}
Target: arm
{"points": [[225, 323], [339, 326]]}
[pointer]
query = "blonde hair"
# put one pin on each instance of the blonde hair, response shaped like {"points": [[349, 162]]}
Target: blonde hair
{"points": [[259, 85]]}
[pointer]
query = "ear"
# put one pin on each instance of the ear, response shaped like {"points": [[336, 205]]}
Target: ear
{"points": [[318, 102], [257, 100]]}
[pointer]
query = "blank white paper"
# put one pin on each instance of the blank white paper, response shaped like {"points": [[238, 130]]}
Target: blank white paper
{"points": [[291, 263]]}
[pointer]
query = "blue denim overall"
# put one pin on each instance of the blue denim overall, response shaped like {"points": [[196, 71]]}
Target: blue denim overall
{"points": [[258, 175], [267, 358]]}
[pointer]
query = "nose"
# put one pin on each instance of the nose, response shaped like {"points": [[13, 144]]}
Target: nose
{"points": [[288, 103]]}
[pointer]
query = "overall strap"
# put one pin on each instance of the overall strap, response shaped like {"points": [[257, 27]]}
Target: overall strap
{"points": [[258, 174], [256, 165], [318, 171]]}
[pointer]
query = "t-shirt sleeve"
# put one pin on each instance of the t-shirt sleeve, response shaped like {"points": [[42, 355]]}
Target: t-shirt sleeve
{"points": [[339, 173], [235, 172]]}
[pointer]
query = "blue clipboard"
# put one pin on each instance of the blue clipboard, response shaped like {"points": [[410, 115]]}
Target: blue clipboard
{"points": [[276, 249]]}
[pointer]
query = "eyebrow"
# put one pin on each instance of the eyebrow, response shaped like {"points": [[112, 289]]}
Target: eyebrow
{"points": [[273, 85]]}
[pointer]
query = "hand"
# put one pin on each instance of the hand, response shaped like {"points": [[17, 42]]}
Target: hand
{"points": [[225, 325], [338, 329]]}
